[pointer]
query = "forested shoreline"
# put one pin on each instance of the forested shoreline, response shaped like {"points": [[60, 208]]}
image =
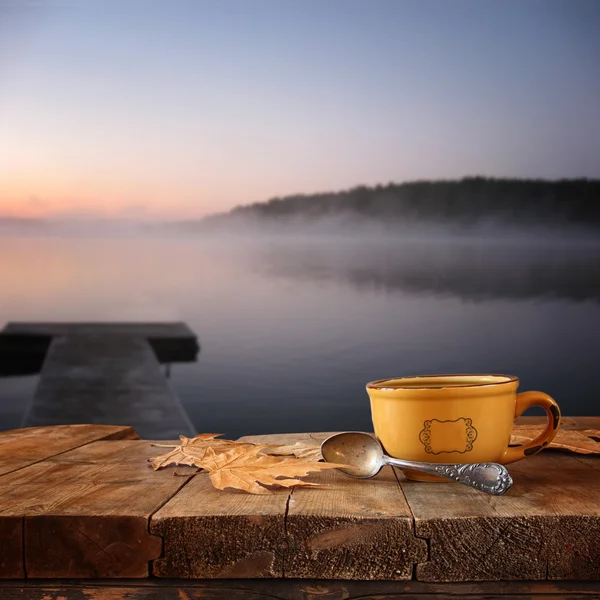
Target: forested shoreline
{"points": [[468, 201]]}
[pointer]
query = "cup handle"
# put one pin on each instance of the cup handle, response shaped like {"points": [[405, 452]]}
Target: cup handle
{"points": [[524, 401]]}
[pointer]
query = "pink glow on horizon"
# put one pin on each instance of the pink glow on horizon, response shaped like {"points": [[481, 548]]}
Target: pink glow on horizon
{"points": [[56, 208], [177, 110], [106, 201]]}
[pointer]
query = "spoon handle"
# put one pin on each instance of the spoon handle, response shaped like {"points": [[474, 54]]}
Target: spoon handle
{"points": [[491, 478]]}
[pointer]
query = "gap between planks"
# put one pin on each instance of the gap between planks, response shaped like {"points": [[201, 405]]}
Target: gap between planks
{"points": [[285, 531], [348, 529], [320, 437], [54, 517], [149, 522], [464, 496]]}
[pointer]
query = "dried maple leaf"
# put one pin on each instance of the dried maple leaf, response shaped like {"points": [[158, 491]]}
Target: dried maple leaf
{"points": [[580, 441], [249, 470], [306, 450], [192, 449]]}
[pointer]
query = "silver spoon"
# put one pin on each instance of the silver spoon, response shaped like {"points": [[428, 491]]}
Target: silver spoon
{"points": [[364, 455]]}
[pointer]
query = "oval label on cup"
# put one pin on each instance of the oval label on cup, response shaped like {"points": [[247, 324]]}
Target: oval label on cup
{"points": [[448, 436]]}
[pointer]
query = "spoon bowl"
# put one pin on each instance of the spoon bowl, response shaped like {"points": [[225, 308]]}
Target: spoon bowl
{"points": [[359, 450]]}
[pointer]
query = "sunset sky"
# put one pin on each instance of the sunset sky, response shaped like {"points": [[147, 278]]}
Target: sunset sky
{"points": [[180, 108]]}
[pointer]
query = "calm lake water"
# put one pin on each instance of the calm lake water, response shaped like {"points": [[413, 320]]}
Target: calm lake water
{"points": [[291, 330]]}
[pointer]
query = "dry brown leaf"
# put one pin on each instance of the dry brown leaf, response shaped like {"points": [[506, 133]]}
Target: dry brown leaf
{"points": [[580, 441], [305, 450], [192, 449], [246, 468]]}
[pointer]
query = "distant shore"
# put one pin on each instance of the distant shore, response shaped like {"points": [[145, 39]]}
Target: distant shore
{"points": [[470, 206], [475, 203]]}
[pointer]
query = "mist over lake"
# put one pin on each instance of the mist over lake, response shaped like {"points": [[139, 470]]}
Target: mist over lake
{"points": [[291, 328]]}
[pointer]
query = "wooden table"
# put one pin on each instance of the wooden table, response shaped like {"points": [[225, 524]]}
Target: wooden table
{"points": [[82, 515]]}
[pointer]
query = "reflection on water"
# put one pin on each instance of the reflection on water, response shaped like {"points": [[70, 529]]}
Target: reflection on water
{"points": [[291, 331], [470, 271]]}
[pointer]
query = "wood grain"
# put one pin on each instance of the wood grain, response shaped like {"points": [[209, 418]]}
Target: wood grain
{"points": [[98, 510], [227, 533], [546, 527], [351, 529], [22, 447], [347, 529], [86, 511], [208, 533]]}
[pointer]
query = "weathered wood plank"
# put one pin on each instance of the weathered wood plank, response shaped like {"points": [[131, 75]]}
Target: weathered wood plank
{"points": [[86, 511], [290, 589], [227, 534], [547, 526], [23, 346], [590, 461], [96, 502], [348, 529], [11, 547], [22, 447], [107, 378], [208, 533], [351, 530]]}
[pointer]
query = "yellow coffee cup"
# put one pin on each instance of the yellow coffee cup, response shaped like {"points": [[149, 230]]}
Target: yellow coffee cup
{"points": [[455, 419]]}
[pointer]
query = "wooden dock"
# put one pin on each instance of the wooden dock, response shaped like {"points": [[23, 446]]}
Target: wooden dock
{"points": [[85, 505], [105, 373], [23, 346]]}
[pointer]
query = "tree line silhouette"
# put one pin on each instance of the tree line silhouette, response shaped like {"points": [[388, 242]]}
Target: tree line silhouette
{"points": [[466, 201]]}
